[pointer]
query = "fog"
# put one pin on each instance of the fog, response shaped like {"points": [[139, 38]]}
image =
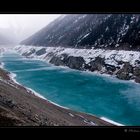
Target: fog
{"points": [[18, 27]]}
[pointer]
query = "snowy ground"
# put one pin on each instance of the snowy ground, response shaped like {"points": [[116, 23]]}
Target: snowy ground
{"points": [[111, 56]]}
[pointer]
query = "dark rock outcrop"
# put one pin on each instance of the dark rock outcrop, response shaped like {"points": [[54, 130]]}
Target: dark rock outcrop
{"points": [[70, 61], [110, 69], [126, 72], [29, 53], [137, 74], [97, 64], [57, 60], [41, 51], [75, 62], [137, 71], [123, 75]]}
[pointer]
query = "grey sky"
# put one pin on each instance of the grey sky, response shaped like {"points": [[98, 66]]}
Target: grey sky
{"points": [[21, 26]]}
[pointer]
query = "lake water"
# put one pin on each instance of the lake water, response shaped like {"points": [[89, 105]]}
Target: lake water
{"points": [[102, 96]]}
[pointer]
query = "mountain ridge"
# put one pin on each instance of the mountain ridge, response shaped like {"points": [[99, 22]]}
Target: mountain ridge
{"points": [[106, 31]]}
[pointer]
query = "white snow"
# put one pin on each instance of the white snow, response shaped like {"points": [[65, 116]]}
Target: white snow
{"points": [[108, 120], [13, 76], [107, 28], [90, 122], [2, 65], [71, 115], [85, 35], [111, 56]]}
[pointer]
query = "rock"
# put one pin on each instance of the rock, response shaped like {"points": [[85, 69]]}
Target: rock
{"points": [[119, 62], [70, 61], [127, 67], [137, 79], [49, 55], [10, 103], [137, 63], [97, 64], [123, 75], [87, 66], [75, 62], [41, 51], [57, 60], [126, 72], [29, 53], [64, 57], [137, 74], [136, 71], [110, 69]]}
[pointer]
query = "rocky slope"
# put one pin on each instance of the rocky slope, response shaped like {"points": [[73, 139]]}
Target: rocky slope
{"points": [[20, 107]]}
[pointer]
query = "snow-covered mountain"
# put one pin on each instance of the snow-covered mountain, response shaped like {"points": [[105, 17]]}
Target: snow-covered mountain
{"points": [[104, 43], [110, 31]]}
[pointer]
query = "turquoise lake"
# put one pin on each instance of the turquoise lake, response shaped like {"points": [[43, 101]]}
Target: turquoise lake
{"points": [[102, 96]]}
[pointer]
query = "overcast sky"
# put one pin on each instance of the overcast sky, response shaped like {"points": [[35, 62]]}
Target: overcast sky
{"points": [[24, 25]]}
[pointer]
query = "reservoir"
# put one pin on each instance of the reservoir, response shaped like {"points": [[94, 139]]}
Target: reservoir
{"points": [[99, 95]]}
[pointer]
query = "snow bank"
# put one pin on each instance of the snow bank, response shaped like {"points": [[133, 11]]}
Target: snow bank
{"points": [[110, 121], [111, 56]]}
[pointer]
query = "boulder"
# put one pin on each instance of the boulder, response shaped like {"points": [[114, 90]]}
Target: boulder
{"points": [[137, 62], [10, 103], [75, 62], [57, 60], [137, 71], [97, 64], [137, 79], [126, 72], [123, 75], [110, 68], [137, 74], [29, 53], [41, 51]]}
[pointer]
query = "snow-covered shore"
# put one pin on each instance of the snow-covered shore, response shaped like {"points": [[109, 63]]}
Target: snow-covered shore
{"points": [[111, 56], [122, 64]]}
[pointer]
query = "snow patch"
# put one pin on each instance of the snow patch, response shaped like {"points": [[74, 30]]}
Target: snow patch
{"points": [[71, 115], [2, 65], [110, 121]]}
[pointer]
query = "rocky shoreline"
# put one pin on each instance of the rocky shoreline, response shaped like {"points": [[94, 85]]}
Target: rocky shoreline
{"points": [[20, 107], [124, 72], [124, 65]]}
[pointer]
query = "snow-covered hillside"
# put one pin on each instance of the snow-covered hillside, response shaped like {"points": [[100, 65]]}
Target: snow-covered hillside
{"points": [[104, 31], [124, 64]]}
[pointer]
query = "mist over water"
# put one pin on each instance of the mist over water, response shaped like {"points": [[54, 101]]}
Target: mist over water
{"points": [[91, 93]]}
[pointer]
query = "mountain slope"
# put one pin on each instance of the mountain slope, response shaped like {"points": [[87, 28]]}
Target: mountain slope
{"points": [[109, 31]]}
